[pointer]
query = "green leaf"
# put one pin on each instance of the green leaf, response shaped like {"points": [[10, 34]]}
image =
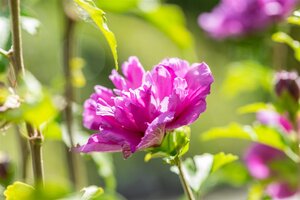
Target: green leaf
{"points": [[52, 131], [167, 18], [256, 191], [259, 133], [222, 159], [98, 16], [170, 20], [282, 37], [253, 108], [198, 169], [246, 76], [295, 18], [18, 191], [119, 6], [91, 192], [175, 144]]}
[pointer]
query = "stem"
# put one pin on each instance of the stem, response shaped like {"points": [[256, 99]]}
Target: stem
{"points": [[4, 53], [16, 36], [35, 135], [69, 92], [23, 146], [183, 181], [35, 142]]}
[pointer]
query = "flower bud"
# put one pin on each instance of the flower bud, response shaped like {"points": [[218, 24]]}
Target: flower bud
{"points": [[288, 82]]}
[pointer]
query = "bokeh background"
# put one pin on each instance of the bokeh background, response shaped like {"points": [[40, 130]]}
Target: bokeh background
{"points": [[135, 178]]}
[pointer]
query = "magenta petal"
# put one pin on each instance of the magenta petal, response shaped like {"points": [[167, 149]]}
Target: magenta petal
{"points": [[118, 80], [156, 131], [199, 76], [281, 190], [97, 143], [134, 72]]}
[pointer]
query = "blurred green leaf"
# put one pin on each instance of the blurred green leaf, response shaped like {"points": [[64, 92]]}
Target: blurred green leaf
{"points": [[169, 19], [222, 159], [246, 76], [30, 24], [175, 144], [197, 169], [36, 107], [257, 191], [91, 192], [253, 108], [259, 133], [282, 37], [295, 18], [98, 16], [119, 6], [52, 131], [18, 191]]}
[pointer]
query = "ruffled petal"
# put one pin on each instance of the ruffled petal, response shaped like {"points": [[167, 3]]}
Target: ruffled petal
{"points": [[134, 72], [156, 131]]}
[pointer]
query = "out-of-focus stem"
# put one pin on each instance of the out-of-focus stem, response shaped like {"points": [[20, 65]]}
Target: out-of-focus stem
{"points": [[35, 141], [184, 183], [23, 152], [69, 91], [18, 67]]}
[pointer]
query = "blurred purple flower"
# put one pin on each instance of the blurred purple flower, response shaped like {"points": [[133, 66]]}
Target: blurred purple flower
{"points": [[239, 17], [272, 118], [145, 105], [259, 157]]}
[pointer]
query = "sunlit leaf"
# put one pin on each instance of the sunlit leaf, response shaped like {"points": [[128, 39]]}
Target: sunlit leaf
{"points": [[253, 108], [167, 18], [91, 192], [30, 24], [256, 191], [170, 20], [18, 191], [295, 18], [285, 38], [222, 159], [52, 131], [259, 133], [98, 16], [198, 169], [246, 76]]}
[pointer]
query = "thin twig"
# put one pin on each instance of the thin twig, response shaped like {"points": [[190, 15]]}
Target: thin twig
{"points": [[18, 66], [69, 91], [184, 183], [4, 53]]}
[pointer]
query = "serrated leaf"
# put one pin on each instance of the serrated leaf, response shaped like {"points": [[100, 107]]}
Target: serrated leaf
{"points": [[98, 17], [91, 192], [19, 190], [222, 159]]}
